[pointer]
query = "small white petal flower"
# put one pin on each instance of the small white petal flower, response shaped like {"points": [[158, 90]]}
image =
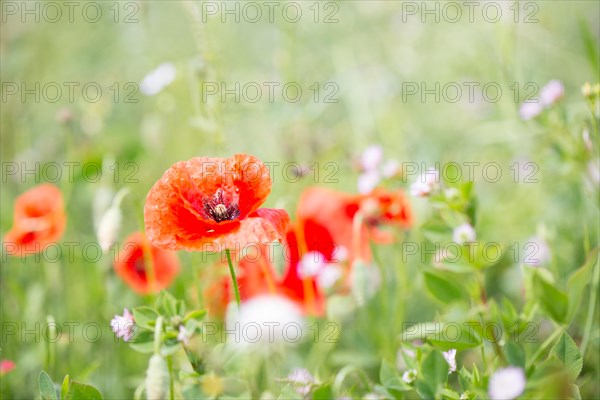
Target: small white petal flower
{"points": [[302, 380], [311, 264], [427, 183], [409, 376], [530, 110], [552, 92], [368, 181], [123, 325], [371, 157], [463, 234], [450, 357], [507, 383], [157, 79]]}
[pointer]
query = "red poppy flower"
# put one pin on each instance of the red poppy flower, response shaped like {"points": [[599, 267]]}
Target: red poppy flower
{"points": [[326, 219], [144, 267], [304, 289], [206, 202], [382, 207], [334, 213], [39, 220]]}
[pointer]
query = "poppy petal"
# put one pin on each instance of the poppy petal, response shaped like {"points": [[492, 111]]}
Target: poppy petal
{"points": [[265, 225], [39, 220], [132, 263]]}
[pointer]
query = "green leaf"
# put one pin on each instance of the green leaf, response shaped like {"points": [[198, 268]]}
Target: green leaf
{"points": [[515, 354], [145, 317], [459, 336], [46, 387], [143, 342], [382, 392], [65, 387], [289, 393], [196, 314], [442, 288], [434, 373], [166, 304], [420, 331], [323, 393], [82, 391], [578, 281], [552, 300], [390, 378], [449, 394], [425, 390], [180, 306], [435, 368], [566, 351]]}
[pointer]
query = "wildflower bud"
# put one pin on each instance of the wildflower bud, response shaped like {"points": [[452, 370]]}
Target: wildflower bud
{"points": [[157, 378], [108, 228]]}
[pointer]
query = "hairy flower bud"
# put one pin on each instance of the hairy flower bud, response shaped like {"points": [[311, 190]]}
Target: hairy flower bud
{"points": [[157, 378]]}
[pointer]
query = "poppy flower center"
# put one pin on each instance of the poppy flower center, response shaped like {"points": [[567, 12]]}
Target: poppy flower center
{"points": [[219, 208], [140, 267]]}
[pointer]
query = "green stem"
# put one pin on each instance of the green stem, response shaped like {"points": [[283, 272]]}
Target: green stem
{"points": [[171, 379], [158, 335], [589, 325], [484, 302], [236, 289], [544, 345]]}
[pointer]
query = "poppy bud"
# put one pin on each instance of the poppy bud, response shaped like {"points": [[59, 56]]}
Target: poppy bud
{"points": [[157, 378]]}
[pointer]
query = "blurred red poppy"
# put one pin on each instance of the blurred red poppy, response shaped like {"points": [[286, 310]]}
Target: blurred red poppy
{"points": [[319, 248], [39, 220], [383, 207], [333, 214], [206, 202], [326, 217], [144, 267], [300, 287]]}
